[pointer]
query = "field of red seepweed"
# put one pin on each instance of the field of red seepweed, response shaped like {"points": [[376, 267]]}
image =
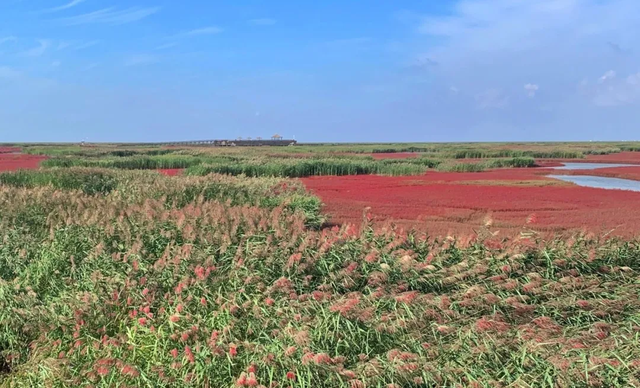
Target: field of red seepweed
{"points": [[12, 162], [443, 203], [9, 150], [171, 171]]}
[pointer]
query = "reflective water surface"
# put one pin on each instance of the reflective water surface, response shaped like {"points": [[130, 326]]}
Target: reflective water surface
{"points": [[591, 166], [599, 182]]}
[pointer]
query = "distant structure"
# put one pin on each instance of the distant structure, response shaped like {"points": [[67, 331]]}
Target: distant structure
{"points": [[275, 141]]}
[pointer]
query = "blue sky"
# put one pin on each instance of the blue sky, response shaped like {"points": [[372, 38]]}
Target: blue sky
{"points": [[369, 71]]}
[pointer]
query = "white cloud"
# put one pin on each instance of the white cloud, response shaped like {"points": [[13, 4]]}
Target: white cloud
{"points": [[606, 76], [492, 99], [263, 22], [454, 90], [112, 16], [56, 64], [7, 39], [174, 40], [552, 50], [76, 45], [497, 24], [531, 89], [203, 31], [70, 4], [43, 45], [615, 91], [141, 59]]}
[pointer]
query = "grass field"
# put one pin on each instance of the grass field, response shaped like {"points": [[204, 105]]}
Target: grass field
{"points": [[116, 275]]}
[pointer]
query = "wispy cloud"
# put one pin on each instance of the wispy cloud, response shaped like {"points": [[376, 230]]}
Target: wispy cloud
{"points": [[263, 22], [483, 26], [56, 64], [531, 89], [111, 16], [85, 45], [8, 72], [7, 39], [212, 30], [141, 59], [70, 4], [173, 41], [43, 45], [607, 76], [616, 91], [62, 45]]}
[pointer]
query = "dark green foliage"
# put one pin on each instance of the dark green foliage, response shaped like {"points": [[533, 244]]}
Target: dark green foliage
{"points": [[89, 182], [127, 162], [309, 167], [518, 162]]}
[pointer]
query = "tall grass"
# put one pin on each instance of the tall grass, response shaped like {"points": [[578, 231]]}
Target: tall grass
{"points": [[429, 163], [102, 291], [403, 149], [311, 167], [88, 181], [138, 186], [485, 165], [127, 162], [485, 154]]}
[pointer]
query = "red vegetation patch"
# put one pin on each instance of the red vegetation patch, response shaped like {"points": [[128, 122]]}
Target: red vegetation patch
{"points": [[9, 150], [12, 162], [436, 204], [395, 155], [171, 171]]}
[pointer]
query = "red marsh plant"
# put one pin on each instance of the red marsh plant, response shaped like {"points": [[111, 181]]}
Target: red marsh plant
{"points": [[132, 289]]}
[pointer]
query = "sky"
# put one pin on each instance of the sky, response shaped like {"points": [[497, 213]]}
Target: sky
{"points": [[319, 71]]}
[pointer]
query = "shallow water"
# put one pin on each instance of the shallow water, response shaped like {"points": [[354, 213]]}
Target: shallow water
{"points": [[591, 166], [599, 182]]}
